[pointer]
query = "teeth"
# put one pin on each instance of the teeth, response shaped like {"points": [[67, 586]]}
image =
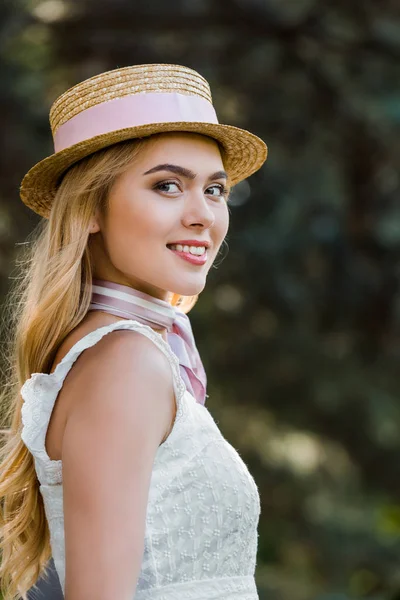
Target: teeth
{"points": [[196, 250]]}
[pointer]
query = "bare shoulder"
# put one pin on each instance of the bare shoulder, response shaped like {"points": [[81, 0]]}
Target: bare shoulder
{"points": [[125, 365], [113, 361], [91, 322]]}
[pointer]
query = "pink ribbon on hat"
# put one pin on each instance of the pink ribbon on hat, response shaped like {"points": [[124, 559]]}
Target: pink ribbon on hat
{"points": [[126, 302], [132, 111]]}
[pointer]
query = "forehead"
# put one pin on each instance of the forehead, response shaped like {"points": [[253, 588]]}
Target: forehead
{"points": [[184, 145]]}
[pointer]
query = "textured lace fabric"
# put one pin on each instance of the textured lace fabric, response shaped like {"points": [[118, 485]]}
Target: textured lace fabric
{"points": [[203, 508]]}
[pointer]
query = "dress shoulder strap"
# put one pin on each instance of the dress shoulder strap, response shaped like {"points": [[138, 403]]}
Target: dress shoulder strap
{"points": [[40, 391]]}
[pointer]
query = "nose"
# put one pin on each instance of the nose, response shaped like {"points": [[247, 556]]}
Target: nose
{"points": [[197, 211]]}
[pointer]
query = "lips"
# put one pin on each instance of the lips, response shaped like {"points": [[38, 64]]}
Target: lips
{"points": [[192, 258], [196, 250], [197, 243]]}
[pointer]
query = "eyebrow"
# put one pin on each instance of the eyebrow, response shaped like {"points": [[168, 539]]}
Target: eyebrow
{"points": [[184, 172]]}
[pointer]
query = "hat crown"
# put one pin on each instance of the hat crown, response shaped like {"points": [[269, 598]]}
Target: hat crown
{"points": [[118, 83]]}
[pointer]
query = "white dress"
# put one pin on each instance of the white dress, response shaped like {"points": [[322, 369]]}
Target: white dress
{"points": [[203, 508]]}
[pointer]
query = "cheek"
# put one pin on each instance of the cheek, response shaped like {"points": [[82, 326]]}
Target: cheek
{"points": [[137, 222], [222, 222]]}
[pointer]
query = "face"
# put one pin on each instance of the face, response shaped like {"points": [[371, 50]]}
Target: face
{"points": [[174, 191]]}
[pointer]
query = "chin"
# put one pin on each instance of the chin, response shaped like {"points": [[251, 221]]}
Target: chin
{"points": [[186, 289]]}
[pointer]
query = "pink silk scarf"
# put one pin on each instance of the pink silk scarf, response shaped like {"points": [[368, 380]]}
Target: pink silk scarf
{"points": [[128, 303]]}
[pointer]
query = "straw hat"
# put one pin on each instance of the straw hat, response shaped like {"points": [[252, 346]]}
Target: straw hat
{"points": [[129, 103]]}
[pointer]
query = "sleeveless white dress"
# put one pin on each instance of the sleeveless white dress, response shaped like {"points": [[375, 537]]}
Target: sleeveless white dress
{"points": [[203, 508]]}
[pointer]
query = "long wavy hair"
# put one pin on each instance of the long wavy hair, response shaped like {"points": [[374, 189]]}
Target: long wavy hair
{"points": [[50, 297]]}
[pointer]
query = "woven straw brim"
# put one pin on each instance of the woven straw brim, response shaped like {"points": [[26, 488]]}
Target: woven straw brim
{"points": [[245, 154]]}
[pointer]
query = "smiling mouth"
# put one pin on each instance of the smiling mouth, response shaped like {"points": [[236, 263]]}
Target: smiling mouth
{"points": [[195, 259], [188, 248]]}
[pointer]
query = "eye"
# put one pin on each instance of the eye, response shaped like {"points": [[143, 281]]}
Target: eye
{"points": [[223, 191], [162, 184]]}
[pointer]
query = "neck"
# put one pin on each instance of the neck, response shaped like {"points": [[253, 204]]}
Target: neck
{"points": [[129, 303]]}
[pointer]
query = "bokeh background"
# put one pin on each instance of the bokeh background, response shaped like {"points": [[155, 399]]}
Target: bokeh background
{"points": [[299, 324]]}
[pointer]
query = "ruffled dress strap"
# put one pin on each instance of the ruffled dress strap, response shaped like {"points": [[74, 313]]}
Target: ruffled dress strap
{"points": [[40, 391]]}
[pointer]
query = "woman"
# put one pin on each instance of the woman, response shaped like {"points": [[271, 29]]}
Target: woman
{"points": [[113, 466]]}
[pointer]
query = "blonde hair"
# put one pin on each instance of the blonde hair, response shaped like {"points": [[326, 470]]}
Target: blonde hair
{"points": [[51, 296]]}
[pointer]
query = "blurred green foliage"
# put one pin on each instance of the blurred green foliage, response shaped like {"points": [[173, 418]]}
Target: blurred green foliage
{"points": [[299, 325]]}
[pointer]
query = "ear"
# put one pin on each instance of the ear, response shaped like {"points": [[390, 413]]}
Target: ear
{"points": [[94, 224], [94, 227]]}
